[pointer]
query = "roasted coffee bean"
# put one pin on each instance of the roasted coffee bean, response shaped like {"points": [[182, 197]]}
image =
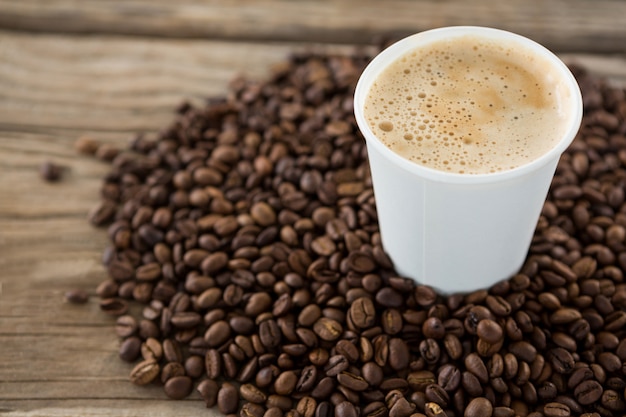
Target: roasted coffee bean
{"points": [[327, 329], [523, 351], [252, 240], [126, 326], [556, 409], [471, 384], [565, 315], [178, 387], [476, 366], [588, 392], [437, 394], [114, 306], [152, 349], [336, 364], [452, 346], [449, 377], [227, 398], [213, 364], [324, 388], [102, 213], [562, 361], [194, 366], [269, 333], [479, 407], [352, 381], [489, 331], [285, 383], [251, 393], [217, 333], [399, 355], [429, 350], [362, 312], [307, 379], [145, 372], [306, 406], [611, 400], [130, 349], [208, 390], [77, 296]]}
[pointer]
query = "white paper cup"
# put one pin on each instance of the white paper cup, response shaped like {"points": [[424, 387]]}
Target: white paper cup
{"points": [[459, 232]]}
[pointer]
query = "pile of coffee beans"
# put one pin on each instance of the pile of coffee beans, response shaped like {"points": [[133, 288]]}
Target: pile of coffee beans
{"points": [[247, 234]]}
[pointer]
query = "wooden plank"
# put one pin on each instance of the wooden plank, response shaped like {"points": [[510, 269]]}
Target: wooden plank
{"points": [[56, 358], [564, 25], [59, 359]]}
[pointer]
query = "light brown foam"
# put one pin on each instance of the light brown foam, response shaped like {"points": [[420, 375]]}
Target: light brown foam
{"points": [[468, 105]]}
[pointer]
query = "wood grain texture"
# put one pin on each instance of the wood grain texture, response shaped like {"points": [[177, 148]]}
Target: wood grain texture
{"points": [[564, 25], [58, 359]]}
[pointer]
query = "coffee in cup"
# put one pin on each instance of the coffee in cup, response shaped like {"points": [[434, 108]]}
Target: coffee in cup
{"points": [[469, 105]]}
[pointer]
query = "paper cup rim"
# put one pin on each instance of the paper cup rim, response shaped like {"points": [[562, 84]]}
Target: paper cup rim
{"points": [[391, 53]]}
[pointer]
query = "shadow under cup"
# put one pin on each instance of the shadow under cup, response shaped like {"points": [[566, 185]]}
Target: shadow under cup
{"points": [[459, 232]]}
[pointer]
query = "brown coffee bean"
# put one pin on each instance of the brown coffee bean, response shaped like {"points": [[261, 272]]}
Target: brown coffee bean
{"points": [[285, 383], [399, 355], [437, 394], [564, 316], [498, 305], [419, 380], [352, 381], [178, 387], [251, 393], [336, 364], [401, 408], [346, 409], [476, 366], [489, 331], [217, 333], [126, 326], [263, 214], [227, 398], [102, 213], [307, 380], [449, 377], [556, 409], [479, 407], [562, 361], [213, 364], [433, 328], [145, 372], [429, 350], [208, 390], [77, 296], [327, 329], [452, 346], [269, 333], [363, 313], [114, 306], [588, 392], [194, 366], [523, 351], [471, 384], [306, 406], [130, 349], [257, 255], [361, 262]]}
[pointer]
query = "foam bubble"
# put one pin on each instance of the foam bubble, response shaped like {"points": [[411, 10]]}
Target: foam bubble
{"points": [[470, 105]]}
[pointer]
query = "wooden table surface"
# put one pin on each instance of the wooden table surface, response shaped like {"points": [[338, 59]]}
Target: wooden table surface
{"points": [[111, 69]]}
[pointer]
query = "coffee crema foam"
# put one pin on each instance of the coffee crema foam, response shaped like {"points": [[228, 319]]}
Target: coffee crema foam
{"points": [[468, 105]]}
